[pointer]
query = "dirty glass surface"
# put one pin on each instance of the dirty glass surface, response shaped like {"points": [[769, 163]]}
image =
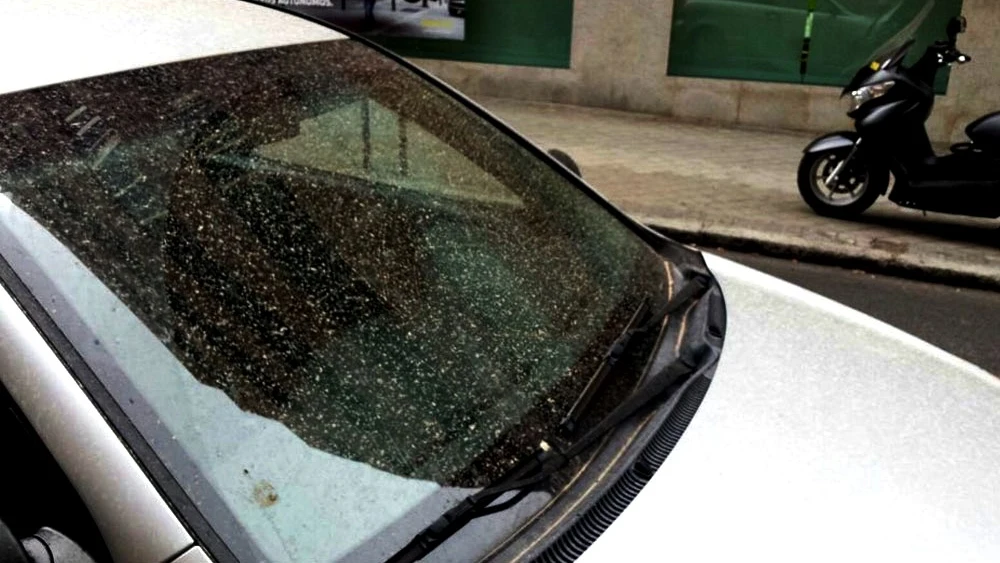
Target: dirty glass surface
{"points": [[763, 39], [329, 285]]}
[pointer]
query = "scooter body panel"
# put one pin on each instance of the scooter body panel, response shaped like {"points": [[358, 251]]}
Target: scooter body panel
{"points": [[964, 183], [832, 141], [985, 131]]}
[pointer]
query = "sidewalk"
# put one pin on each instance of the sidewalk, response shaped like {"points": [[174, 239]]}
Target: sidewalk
{"points": [[735, 188]]}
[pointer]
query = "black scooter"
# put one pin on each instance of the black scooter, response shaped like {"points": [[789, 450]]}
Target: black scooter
{"points": [[842, 174]]}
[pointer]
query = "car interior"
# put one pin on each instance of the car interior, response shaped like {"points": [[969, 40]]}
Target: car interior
{"points": [[42, 518]]}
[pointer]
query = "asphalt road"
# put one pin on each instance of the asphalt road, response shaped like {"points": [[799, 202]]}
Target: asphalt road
{"points": [[965, 322]]}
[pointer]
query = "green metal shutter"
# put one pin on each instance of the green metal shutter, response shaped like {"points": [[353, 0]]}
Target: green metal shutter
{"points": [[798, 41]]}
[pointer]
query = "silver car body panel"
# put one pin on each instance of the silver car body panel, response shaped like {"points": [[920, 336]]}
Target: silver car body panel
{"points": [[58, 41], [826, 436], [137, 525]]}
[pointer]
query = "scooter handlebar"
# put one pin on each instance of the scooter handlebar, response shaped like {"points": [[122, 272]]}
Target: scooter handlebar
{"points": [[952, 56]]}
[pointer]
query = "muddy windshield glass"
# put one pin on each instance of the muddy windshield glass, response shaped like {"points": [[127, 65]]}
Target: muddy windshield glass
{"points": [[327, 286]]}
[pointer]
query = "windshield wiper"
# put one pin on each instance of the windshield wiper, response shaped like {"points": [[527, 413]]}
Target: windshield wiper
{"points": [[609, 360], [691, 290], [535, 469]]}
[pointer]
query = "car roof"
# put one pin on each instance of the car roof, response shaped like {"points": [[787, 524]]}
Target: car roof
{"points": [[50, 41]]}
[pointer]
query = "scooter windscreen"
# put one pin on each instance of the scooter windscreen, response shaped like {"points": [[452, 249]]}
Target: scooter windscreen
{"points": [[887, 59], [892, 51]]}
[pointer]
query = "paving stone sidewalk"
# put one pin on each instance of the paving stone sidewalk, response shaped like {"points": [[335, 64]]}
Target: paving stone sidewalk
{"points": [[736, 187]]}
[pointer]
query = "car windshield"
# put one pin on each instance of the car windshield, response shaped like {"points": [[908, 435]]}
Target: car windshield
{"points": [[320, 288]]}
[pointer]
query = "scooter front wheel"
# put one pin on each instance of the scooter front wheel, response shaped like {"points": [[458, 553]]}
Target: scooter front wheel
{"points": [[854, 189]]}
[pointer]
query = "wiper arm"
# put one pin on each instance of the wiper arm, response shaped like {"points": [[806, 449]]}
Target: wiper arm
{"points": [[544, 463], [547, 460], [529, 473], [608, 362], [691, 290]]}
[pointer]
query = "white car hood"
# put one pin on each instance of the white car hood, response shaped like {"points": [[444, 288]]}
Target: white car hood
{"points": [[826, 436], [51, 41]]}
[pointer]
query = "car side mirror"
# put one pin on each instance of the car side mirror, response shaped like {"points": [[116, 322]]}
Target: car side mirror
{"points": [[47, 545], [44, 546], [566, 160], [956, 25]]}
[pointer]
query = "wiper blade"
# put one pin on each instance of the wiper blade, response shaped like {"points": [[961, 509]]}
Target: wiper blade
{"points": [[691, 290], [547, 460], [608, 362]]}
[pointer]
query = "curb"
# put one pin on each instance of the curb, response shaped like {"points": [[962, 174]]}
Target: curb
{"points": [[918, 268]]}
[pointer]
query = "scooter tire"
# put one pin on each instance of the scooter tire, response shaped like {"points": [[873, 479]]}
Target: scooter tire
{"points": [[878, 181]]}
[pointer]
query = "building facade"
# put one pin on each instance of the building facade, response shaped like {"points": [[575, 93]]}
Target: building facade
{"points": [[653, 56]]}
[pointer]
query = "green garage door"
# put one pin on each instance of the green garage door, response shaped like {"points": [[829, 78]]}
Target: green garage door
{"points": [[764, 39]]}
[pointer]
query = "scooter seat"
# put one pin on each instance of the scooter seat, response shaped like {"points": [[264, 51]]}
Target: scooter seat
{"points": [[985, 131]]}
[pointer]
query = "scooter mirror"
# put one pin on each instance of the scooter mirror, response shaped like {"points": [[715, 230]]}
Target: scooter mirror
{"points": [[566, 160], [955, 26]]}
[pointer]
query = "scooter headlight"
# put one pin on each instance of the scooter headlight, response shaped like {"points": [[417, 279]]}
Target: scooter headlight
{"points": [[866, 94]]}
